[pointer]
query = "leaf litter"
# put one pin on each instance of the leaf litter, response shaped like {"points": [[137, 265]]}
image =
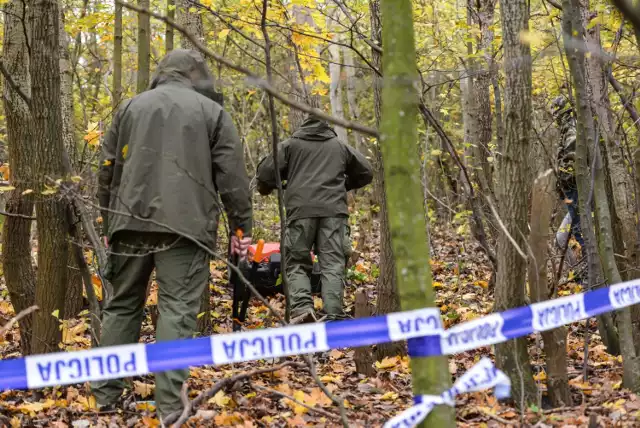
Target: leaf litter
{"points": [[462, 283]]}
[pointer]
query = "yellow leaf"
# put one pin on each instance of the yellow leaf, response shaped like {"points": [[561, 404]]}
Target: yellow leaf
{"points": [[6, 188], [387, 363], [125, 150], [481, 283], [56, 313], [437, 285], [76, 179], [26, 192], [221, 399], [145, 406], [297, 408], [15, 422], [143, 389], [223, 33], [33, 408], [390, 395], [330, 378], [150, 422], [542, 376], [106, 163]]}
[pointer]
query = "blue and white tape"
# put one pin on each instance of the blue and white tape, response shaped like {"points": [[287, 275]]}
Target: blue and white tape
{"points": [[483, 375], [422, 328]]}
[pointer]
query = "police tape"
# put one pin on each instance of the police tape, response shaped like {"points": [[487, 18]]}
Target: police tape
{"points": [[422, 328], [483, 375]]}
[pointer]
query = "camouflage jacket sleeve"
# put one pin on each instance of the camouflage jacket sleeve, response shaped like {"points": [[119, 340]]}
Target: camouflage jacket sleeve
{"points": [[107, 165], [359, 171], [266, 173], [566, 155], [230, 174]]}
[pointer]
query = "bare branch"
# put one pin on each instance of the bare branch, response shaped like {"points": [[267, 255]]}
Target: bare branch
{"points": [[253, 78], [628, 11], [181, 418], [26, 217], [23, 313], [289, 397], [13, 85]]}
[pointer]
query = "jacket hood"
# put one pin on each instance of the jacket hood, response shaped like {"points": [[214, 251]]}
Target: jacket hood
{"points": [[314, 129], [188, 67]]}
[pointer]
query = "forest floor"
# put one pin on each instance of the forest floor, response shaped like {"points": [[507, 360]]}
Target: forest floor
{"points": [[461, 276]]}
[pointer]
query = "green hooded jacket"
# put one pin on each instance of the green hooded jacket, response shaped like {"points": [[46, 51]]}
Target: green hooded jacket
{"points": [[168, 154], [318, 168]]}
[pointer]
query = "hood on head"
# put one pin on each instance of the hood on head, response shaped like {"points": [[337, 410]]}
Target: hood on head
{"points": [[189, 67], [314, 129]]}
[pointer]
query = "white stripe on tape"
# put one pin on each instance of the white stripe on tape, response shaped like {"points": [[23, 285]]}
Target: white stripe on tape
{"points": [[81, 366], [416, 323], [270, 343]]}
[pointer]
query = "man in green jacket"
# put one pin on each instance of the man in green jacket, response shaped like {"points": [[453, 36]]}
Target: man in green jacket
{"points": [[319, 169], [168, 154]]}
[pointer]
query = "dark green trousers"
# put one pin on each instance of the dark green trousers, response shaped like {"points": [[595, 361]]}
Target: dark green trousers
{"points": [[182, 272], [329, 238]]}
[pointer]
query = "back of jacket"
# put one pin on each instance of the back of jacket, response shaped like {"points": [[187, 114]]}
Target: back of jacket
{"points": [[167, 154], [319, 169]]}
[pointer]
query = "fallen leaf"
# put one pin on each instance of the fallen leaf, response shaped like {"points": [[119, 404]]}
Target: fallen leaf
{"points": [[387, 363], [150, 422], [390, 395], [143, 389], [221, 399], [33, 408]]}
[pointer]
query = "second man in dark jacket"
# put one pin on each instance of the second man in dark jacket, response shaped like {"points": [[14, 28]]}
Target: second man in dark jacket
{"points": [[319, 169]]}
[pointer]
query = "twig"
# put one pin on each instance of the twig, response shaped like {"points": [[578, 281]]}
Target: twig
{"points": [[628, 12], [184, 397], [504, 228], [26, 217], [289, 397], [257, 80], [13, 85], [181, 418], [23, 313]]}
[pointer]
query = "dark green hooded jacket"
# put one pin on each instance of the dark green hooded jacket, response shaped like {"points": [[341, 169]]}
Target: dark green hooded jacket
{"points": [[318, 168], [169, 152]]}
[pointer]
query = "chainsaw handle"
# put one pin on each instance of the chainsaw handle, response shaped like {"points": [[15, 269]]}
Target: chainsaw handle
{"points": [[259, 249]]}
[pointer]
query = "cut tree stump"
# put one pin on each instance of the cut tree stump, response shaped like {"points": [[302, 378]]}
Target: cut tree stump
{"points": [[363, 355]]}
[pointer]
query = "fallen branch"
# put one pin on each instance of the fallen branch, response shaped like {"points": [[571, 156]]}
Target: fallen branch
{"points": [[179, 418], [289, 397], [23, 313], [257, 80], [184, 397]]}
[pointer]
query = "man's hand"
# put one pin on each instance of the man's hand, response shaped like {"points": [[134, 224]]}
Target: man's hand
{"points": [[240, 246]]}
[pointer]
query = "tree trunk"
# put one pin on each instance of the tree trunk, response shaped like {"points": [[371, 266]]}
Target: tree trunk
{"points": [[555, 341], [573, 31], [352, 96], [403, 188], [388, 300], [47, 162], [335, 73], [117, 58], [73, 295], [513, 190], [168, 38], [191, 20], [144, 47], [18, 269]]}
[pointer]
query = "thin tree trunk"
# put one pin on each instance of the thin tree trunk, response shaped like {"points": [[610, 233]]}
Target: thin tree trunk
{"points": [[168, 38], [402, 182], [47, 162], [555, 341], [190, 19], [144, 47], [73, 296], [388, 299], [117, 58], [352, 96], [513, 190], [574, 32], [19, 274], [335, 72]]}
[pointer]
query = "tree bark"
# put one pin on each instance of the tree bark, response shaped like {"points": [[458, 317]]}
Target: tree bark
{"points": [[47, 163], [190, 19], [352, 96], [73, 295], [117, 59], [513, 190], [18, 269], [574, 32], [168, 38], [555, 341], [144, 47], [399, 136], [388, 300]]}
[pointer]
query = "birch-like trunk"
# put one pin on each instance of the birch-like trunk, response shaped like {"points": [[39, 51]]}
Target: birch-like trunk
{"points": [[335, 73], [144, 48]]}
